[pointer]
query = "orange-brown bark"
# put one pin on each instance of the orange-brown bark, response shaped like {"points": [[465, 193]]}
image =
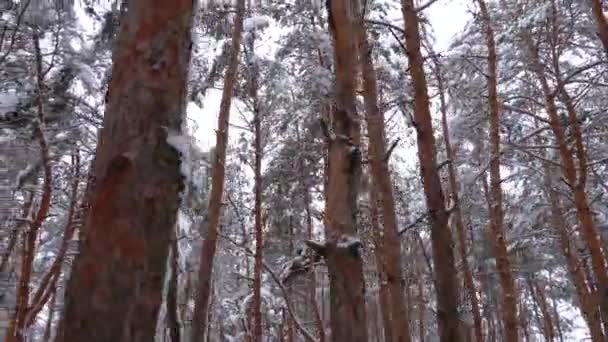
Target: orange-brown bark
{"points": [[587, 304], [503, 263], [381, 179], [446, 283], [48, 282], [217, 183], [380, 259], [116, 287], [576, 181], [348, 317], [16, 329]]}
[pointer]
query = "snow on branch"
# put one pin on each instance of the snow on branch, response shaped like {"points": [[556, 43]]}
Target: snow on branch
{"points": [[349, 242], [311, 252], [256, 23], [306, 256]]}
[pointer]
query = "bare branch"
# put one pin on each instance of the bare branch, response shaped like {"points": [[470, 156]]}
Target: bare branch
{"points": [[387, 156]]}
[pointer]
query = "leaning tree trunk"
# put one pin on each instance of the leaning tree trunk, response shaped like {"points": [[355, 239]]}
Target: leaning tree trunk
{"points": [[116, 288], [348, 316], [503, 263], [217, 183], [576, 179], [383, 185], [446, 283], [588, 307]]}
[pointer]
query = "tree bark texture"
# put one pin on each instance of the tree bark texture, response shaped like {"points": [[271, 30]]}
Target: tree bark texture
{"points": [[382, 183], [217, 183], [348, 316], [446, 283], [116, 288]]}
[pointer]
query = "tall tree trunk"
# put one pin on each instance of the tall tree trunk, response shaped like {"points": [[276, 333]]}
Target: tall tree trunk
{"points": [[503, 263], [469, 282], [446, 283], [574, 265], [18, 324], [172, 291], [382, 182], [380, 258], [601, 22], [116, 288], [576, 181], [544, 308], [342, 251], [257, 274], [217, 182]]}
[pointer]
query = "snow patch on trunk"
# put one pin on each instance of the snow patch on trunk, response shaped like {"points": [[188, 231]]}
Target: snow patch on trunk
{"points": [[182, 143]]}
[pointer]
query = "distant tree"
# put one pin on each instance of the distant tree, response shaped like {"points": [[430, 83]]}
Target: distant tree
{"points": [[214, 214]]}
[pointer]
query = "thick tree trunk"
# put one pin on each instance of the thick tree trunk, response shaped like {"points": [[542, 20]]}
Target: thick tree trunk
{"points": [[469, 282], [217, 183], [446, 283], [116, 288], [347, 285], [382, 184], [503, 263]]}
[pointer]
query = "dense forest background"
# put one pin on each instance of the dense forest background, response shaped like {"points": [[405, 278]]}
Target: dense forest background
{"points": [[251, 170]]}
